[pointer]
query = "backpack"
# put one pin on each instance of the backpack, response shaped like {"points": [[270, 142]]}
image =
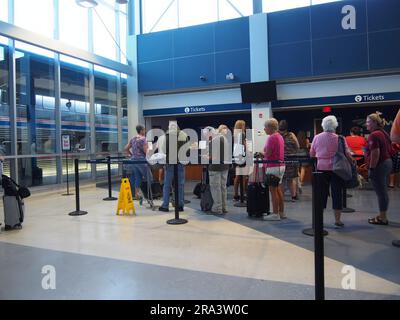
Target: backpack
{"points": [[11, 188]]}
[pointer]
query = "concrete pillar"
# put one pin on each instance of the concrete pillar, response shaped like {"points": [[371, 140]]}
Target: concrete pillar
{"points": [[259, 72]]}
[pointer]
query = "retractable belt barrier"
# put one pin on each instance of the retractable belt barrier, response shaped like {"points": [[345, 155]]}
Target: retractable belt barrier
{"points": [[317, 208]]}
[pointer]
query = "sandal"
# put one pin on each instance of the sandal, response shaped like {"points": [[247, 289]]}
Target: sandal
{"points": [[379, 221]]}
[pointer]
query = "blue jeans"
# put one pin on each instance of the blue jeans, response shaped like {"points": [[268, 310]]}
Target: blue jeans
{"points": [[139, 172], [169, 176]]}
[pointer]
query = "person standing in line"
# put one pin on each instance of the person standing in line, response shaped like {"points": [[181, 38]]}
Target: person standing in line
{"points": [[219, 172], [291, 149], [395, 137], [357, 144], [379, 153], [136, 149], [324, 147], [274, 151], [304, 151], [239, 140]]}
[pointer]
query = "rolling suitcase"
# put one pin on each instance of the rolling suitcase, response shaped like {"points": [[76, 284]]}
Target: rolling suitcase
{"points": [[257, 196], [13, 212]]}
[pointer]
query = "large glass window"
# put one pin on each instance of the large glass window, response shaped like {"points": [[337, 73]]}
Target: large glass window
{"points": [[5, 132], [159, 15], [193, 12], [104, 32], [4, 10], [75, 106], [234, 9], [278, 5], [36, 16], [35, 104], [123, 34], [73, 24], [105, 99]]}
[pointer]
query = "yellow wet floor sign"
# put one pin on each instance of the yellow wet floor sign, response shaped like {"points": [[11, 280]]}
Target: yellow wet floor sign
{"points": [[125, 201]]}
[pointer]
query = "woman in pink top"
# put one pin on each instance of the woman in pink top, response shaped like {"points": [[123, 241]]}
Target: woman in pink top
{"points": [[324, 147], [274, 151]]}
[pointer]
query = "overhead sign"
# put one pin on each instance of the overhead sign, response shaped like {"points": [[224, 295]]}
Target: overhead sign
{"points": [[66, 142], [369, 98]]}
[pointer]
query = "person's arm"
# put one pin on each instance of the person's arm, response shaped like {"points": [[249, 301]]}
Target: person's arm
{"points": [[348, 151], [127, 149], [375, 152], [145, 147], [296, 141], [395, 132], [313, 152]]}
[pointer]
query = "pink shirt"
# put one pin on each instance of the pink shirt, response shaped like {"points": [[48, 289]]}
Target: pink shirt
{"points": [[324, 147], [276, 144]]}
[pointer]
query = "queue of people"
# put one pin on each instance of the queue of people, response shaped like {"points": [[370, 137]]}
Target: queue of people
{"points": [[379, 153]]}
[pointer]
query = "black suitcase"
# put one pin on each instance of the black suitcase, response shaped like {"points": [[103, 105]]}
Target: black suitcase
{"points": [[199, 186], [257, 197], [207, 200]]}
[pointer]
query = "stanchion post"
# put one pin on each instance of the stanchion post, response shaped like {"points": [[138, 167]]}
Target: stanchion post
{"points": [[110, 197], [316, 197], [176, 220], [318, 238], [78, 211]]}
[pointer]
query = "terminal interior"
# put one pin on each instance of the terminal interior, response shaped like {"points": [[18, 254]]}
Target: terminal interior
{"points": [[92, 70]]}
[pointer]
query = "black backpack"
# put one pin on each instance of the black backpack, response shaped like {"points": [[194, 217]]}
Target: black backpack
{"points": [[11, 188]]}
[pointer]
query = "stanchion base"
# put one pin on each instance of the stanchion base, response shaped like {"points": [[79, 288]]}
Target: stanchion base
{"points": [[110, 199], [240, 205], [78, 213], [67, 194], [310, 232], [396, 243], [348, 210], [177, 221]]}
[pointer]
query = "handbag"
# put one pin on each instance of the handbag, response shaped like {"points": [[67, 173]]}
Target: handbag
{"points": [[341, 165], [271, 180]]}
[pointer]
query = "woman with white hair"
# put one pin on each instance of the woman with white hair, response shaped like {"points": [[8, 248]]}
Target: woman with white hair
{"points": [[324, 147]]}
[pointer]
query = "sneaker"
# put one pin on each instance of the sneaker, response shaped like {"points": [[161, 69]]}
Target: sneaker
{"points": [[224, 211], [180, 209], [338, 225], [163, 209], [283, 216], [273, 217], [236, 198], [295, 198]]}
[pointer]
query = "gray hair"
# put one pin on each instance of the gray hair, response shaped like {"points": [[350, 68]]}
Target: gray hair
{"points": [[329, 124]]}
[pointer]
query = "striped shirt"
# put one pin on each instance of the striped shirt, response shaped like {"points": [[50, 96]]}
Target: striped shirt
{"points": [[324, 147]]}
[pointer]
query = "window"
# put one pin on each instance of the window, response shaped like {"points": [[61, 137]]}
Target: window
{"points": [[36, 16], [159, 15], [73, 24], [5, 131], [123, 34], [230, 9], [106, 124], [313, 2], [104, 32], [124, 105], [4, 10], [193, 12], [278, 5]]}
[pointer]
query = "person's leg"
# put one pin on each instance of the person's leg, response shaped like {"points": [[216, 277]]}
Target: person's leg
{"points": [[281, 206], [224, 179], [337, 197], [293, 187], [275, 199], [168, 176], [392, 180], [215, 188], [380, 184], [236, 187]]}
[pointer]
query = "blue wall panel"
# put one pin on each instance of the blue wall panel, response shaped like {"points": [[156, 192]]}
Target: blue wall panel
{"points": [[155, 75], [289, 26], [326, 19], [290, 60], [188, 71], [237, 62], [155, 46], [194, 40], [383, 14], [232, 34], [384, 50], [340, 55]]}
